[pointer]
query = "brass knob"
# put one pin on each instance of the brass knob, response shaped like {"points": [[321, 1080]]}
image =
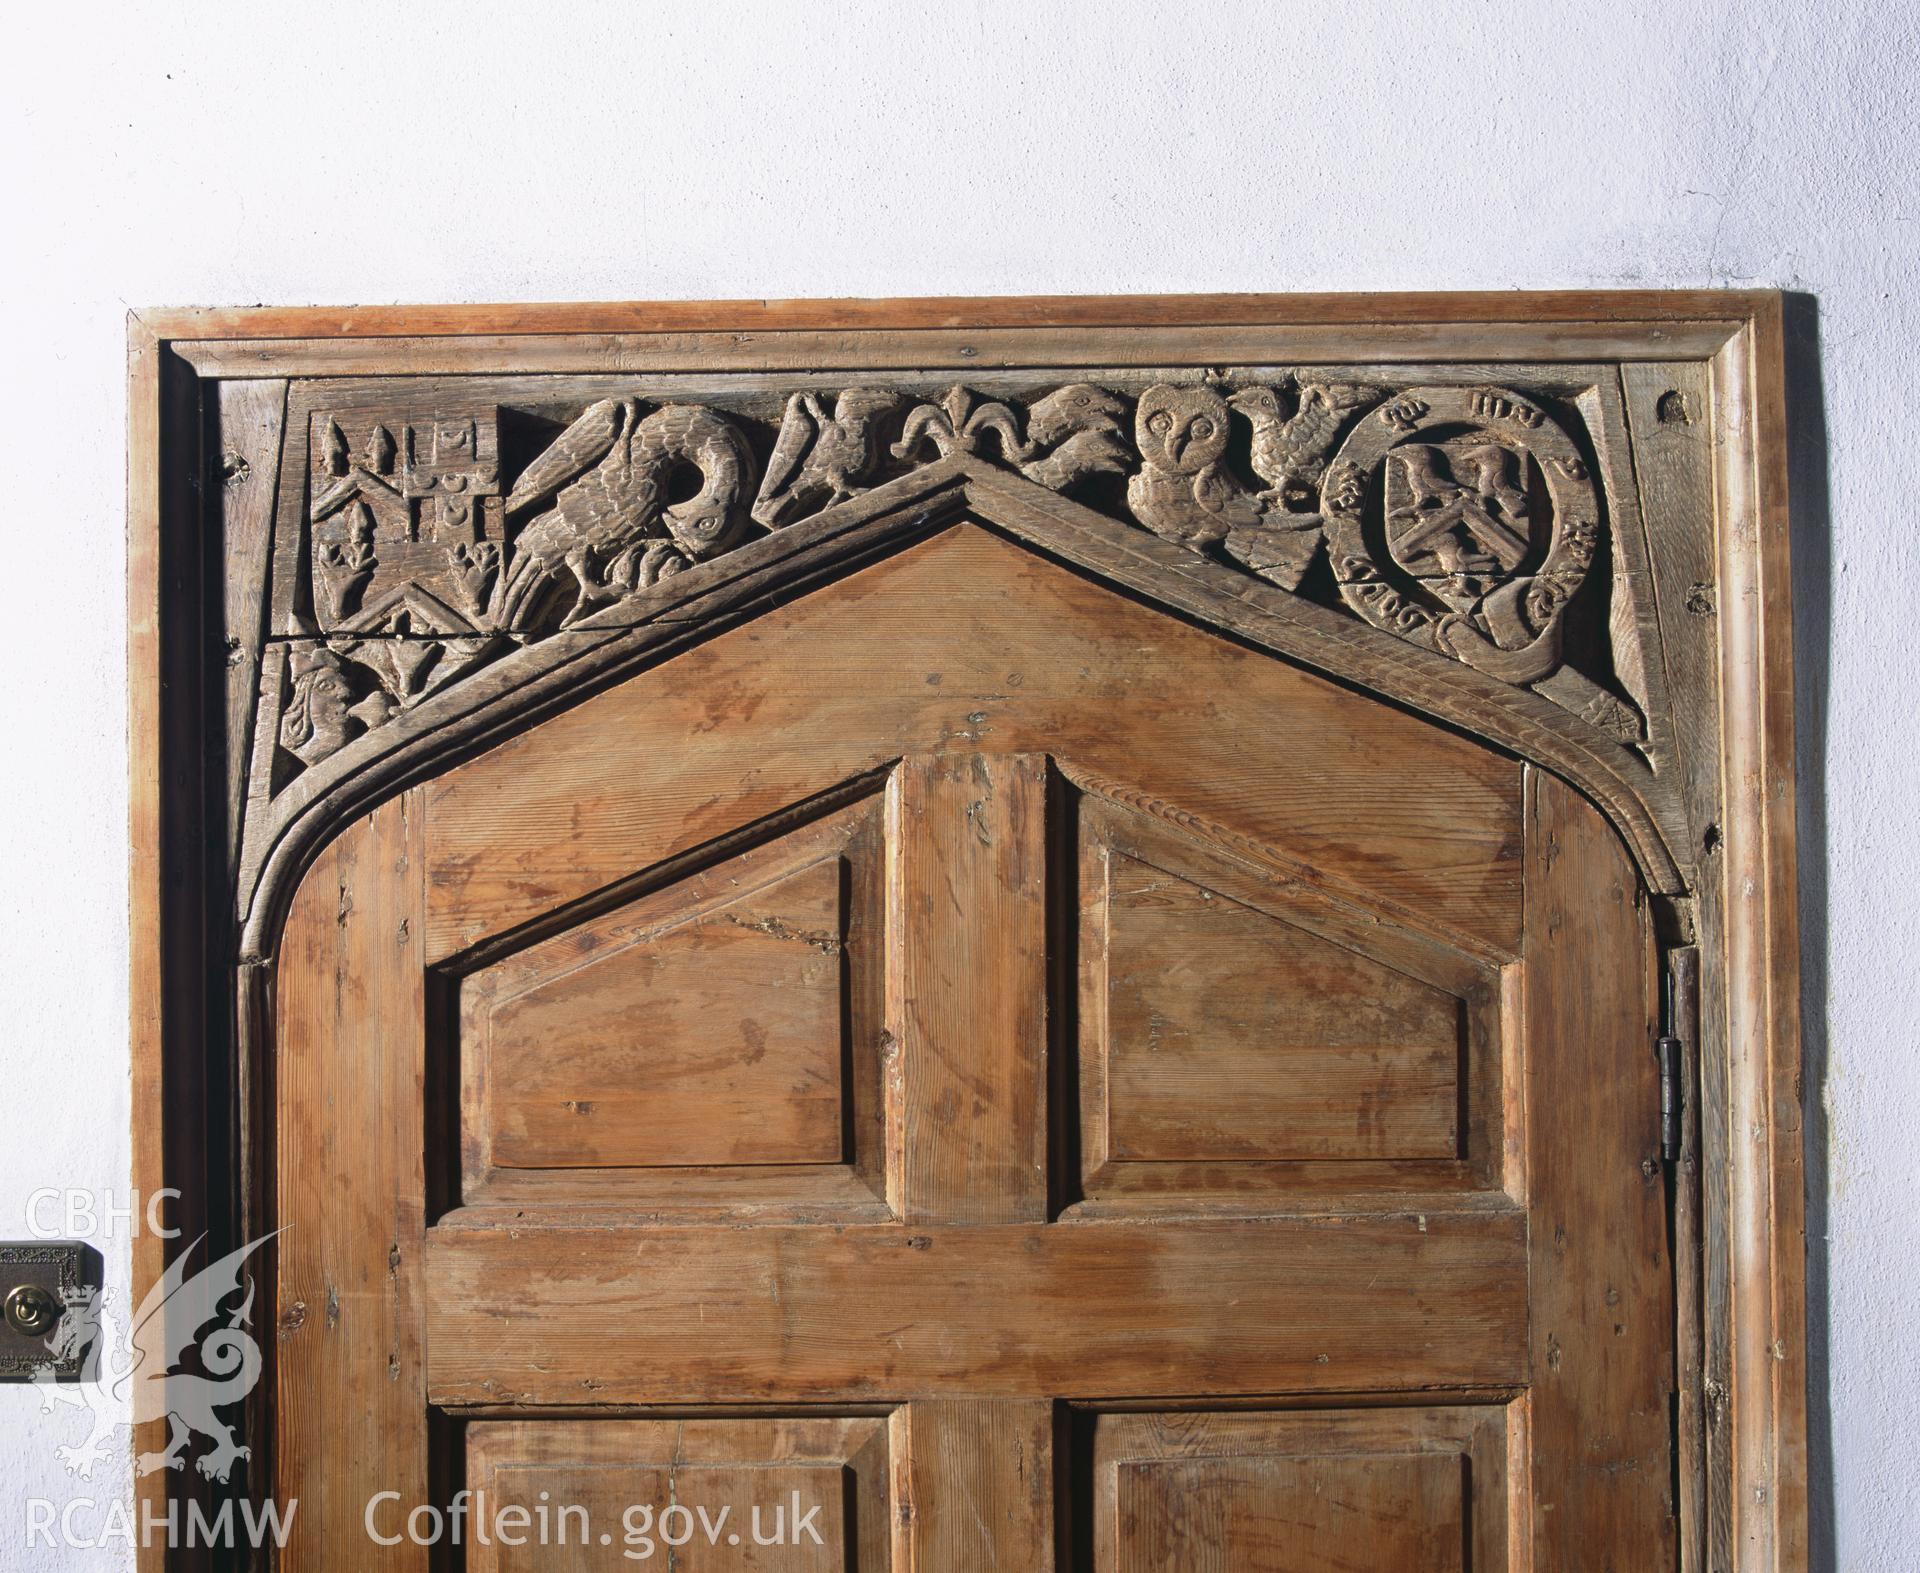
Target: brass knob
{"points": [[32, 1311]]}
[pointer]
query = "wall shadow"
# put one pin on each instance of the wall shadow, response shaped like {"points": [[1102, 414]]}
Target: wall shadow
{"points": [[1811, 535]]}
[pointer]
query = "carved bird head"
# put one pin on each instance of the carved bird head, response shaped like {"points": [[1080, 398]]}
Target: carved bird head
{"points": [[1182, 429], [1077, 407], [703, 527], [688, 440], [859, 405], [1257, 403]]}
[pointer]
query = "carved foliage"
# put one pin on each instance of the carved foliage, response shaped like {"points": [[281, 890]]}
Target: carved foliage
{"points": [[1460, 519]]}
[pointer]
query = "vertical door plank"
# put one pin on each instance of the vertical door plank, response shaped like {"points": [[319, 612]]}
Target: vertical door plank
{"points": [[351, 1368], [1672, 457], [973, 1484], [967, 987], [1602, 1292]]}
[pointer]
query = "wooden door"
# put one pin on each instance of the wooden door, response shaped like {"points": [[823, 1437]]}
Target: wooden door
{"points": [[1014, 1070]]}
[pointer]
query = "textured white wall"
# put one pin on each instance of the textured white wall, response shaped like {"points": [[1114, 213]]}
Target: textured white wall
{"points": [[221, 153]]}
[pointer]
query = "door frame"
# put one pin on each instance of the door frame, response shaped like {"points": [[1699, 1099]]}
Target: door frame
{"points": [[201, 1013]]}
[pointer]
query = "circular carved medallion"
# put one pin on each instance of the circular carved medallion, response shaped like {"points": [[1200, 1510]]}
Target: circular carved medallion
{"points": [[1463, 520]]}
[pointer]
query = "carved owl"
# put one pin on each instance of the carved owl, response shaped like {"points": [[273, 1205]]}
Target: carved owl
{"points": [[1181, 430], [1183, 491]]}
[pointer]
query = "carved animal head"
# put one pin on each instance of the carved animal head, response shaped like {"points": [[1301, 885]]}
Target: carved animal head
{"points": [[694, 439], [1257, 403], [704, 528], [1079, 406], [1180, 429]]}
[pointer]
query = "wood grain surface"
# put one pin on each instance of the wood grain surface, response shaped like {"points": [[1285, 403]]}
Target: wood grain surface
{"points": [[962, 644]]}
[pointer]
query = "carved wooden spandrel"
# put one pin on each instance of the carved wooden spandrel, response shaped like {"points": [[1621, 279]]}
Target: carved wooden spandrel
{"points": [[436, 534]]}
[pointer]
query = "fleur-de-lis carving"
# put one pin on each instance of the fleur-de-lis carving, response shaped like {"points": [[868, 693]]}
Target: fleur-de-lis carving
{"points": [[958, 423], [474, 567]]}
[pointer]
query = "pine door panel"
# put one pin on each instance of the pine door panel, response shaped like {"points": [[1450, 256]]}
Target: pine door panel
{"points": [[1245, 1035], [1367, 1491], [682, 1315], [919, 654], [712, 1041], [1046, 1085], [1233, 1035], [708, 1038], [746, 1475]]}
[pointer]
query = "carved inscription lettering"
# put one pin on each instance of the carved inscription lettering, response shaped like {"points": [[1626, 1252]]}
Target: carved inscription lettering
{"points": [[1466, 521]]}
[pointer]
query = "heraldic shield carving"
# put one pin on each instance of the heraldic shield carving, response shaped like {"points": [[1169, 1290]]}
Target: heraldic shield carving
{"points": [[1464, 520]]}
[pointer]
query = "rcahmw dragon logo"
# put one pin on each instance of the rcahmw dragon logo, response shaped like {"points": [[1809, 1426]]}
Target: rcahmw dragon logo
{"points": [[139, 1370]]}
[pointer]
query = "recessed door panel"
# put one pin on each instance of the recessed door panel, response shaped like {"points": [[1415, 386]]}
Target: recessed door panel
{"points": [[1242, 1034], [1232, 1034], [710, 1040], [1381, 1491], [798, 1494], [1291, 1515]]}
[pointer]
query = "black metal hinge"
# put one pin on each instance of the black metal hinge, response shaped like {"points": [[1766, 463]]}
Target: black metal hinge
{"points": [[1670, 1052], [1667, 1048]]}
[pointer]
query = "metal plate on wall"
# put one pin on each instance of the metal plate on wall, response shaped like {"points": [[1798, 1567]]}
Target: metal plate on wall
{"points": [[44, 1284]]}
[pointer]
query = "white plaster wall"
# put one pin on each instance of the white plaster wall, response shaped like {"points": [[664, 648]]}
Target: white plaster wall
{"points": [[224, 153]]}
